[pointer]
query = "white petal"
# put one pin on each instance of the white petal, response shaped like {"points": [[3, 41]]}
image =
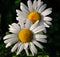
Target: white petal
{"points": [[11, 40], [12, 29], [45, 31], [41, 40], [26, 48], [47, 12], [34, 25], [40, 36], [22, 23], [30, 5], [41, 22], [42, 8], [39, 29], [46, 25], [18, 18], [20, 49], [37, 44], [33, 48], [17, 11], [39, 3], [24, 8], [28, 23], [27, 52], [14, 47], [9, 44], [20, 13], [16, 26], [35, 4], [47, 19], [49, 23], [26, 45], [9, 36]]}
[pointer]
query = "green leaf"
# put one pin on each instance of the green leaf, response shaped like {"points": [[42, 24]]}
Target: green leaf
{"points": [[7, 33], [43, 56], [17, 3], [46, 56], [14, 56]]}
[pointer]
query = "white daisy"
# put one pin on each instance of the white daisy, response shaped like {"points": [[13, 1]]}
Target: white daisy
{"points": [[25, 36], [35, 11]]}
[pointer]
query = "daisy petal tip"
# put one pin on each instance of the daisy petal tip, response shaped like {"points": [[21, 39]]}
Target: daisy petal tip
{"points": [[17, 53], [4, 38], [9, 25], [50, 10], [4, 41], [45, 36], [12, 51], [37, 21], [17, 18], [21, 3], [8, 45], [46, 25], [21, 6], [16, 10]]}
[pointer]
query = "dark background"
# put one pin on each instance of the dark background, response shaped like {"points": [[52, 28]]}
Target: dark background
{"points": [[8, 16]]}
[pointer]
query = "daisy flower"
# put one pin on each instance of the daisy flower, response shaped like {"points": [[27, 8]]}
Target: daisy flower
{"points": [[35, 11], [25, 37]]}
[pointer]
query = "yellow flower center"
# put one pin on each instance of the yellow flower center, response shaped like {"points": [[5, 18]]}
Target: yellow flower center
{"points": [[25, 35], [33, 16]]}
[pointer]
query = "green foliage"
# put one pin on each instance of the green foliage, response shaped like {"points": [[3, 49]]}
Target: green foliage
{"points": [[17, 2]]}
